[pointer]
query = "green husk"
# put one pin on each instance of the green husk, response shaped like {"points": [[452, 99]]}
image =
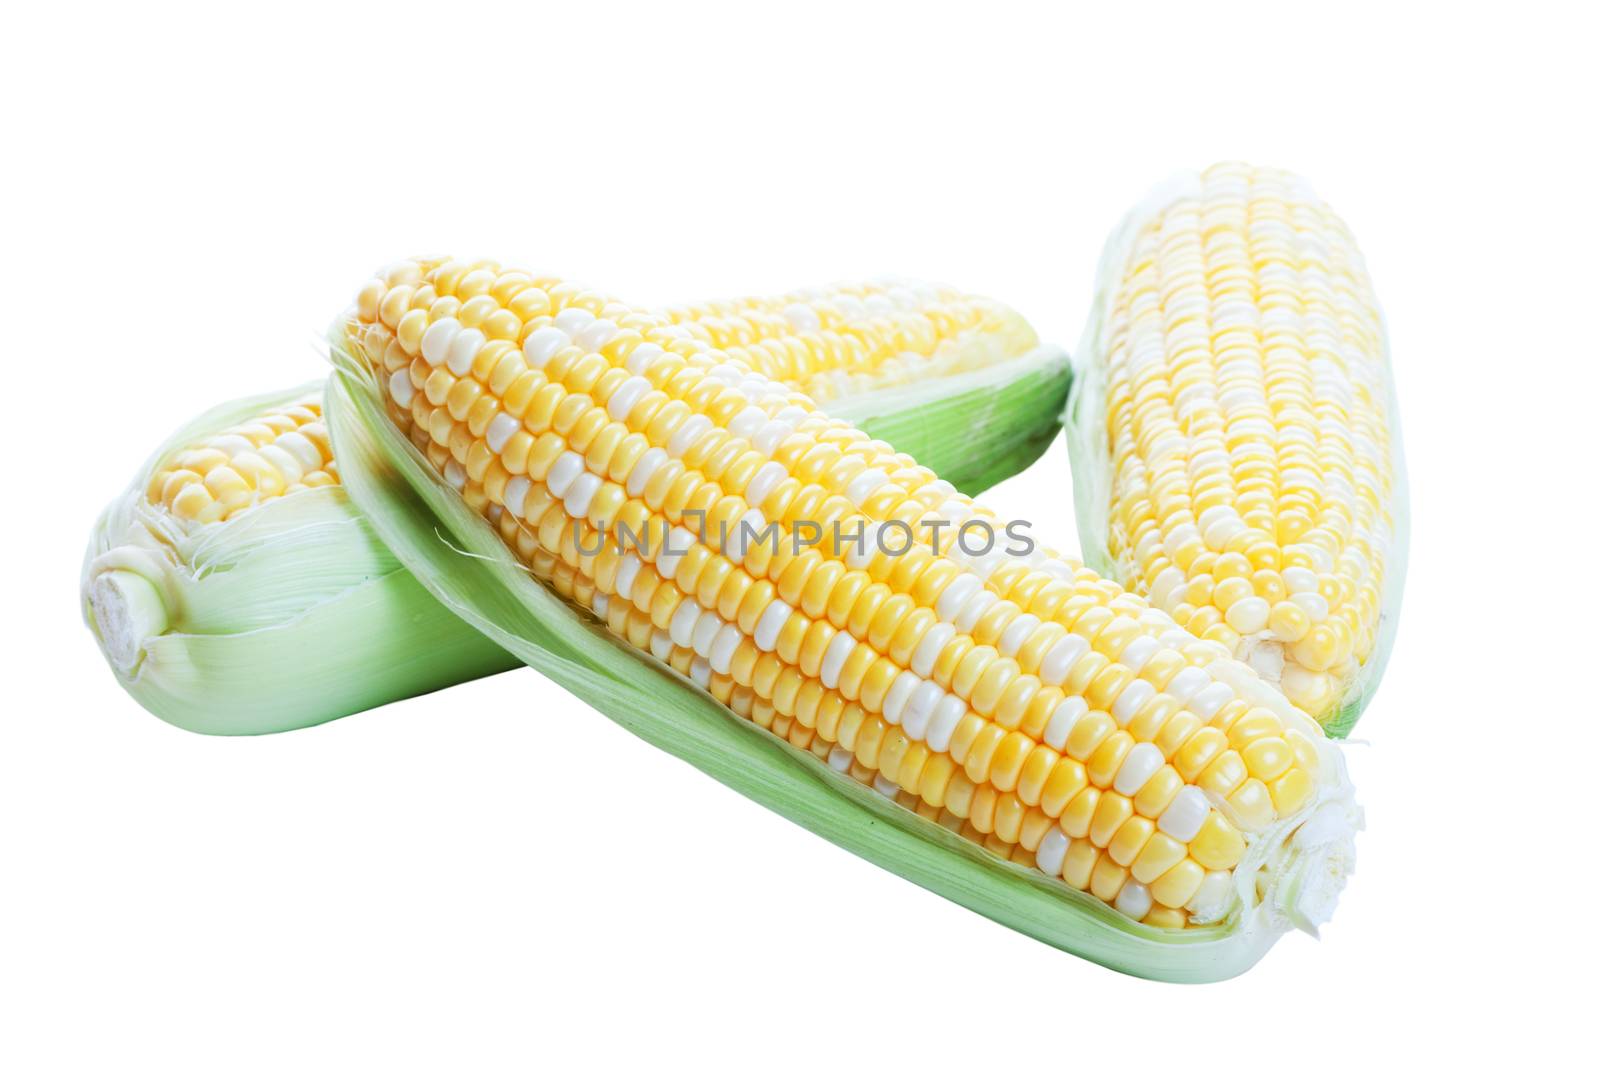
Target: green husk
{"points": [[462, 561], [976, 429], [295, 613], [292, 614], [1089, 450]]}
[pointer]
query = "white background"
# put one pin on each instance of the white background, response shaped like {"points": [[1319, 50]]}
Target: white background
{"points": [[497, 874]]}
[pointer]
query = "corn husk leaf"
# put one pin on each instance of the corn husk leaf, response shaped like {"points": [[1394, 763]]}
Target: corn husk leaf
{"points": [[975, 429]]}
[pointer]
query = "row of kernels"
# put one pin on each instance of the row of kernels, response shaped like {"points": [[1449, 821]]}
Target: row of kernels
{"points": [[844, 337], [282, 451]]}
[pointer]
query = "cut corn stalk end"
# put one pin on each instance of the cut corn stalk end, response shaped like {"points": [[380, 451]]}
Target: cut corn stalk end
{"points": [[126, 611]]}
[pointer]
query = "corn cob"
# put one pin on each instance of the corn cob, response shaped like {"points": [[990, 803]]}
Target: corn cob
{"points": [[660, 486], [1236, 450], [221, 583], [858, 338]]}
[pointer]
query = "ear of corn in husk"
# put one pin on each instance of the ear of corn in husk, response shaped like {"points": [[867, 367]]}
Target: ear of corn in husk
{"points": [[289, 613], [1234, 436], [1010, 730], [234, 589]]}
